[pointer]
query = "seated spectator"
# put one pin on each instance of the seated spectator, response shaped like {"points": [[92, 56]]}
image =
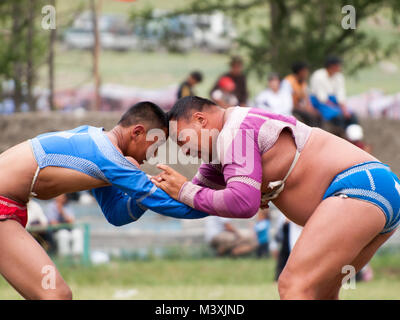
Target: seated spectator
{"points": [[262, 230], [186, 87], [328, 94], [296, 84], [37, 218], [355, 134], [69, 240], [222, 236], [273, 98], [239, 78], [58, 212], [223, 94]]}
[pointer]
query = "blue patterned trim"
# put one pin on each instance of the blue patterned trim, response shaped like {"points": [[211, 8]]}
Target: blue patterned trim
{"points": [[359, 168], [65, 161], [376, 199], [38, 151], [108, 149]]}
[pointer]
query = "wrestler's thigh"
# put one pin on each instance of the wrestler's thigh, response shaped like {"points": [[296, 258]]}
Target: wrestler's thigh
{"points": [[22, 261], [333, 237], [358, 263]]}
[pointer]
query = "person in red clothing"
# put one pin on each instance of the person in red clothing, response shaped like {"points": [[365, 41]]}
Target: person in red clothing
{"points": [[223, 95], [239, 78]]}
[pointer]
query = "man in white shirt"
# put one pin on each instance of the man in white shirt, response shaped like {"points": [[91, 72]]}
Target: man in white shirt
{"points": [[328, 93], [273, 98]]}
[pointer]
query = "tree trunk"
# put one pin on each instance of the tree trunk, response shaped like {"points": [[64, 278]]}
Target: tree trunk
{"points": [[53, 35], [96, 9], [30, 56], [16, 67]]}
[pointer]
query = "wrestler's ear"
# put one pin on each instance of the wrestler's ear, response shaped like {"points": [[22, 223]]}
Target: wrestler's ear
{"points": [[200, 118], [137, 131]]}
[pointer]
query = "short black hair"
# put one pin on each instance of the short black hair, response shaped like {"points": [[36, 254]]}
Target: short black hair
{"points": [[298, 66], [332, 60], [183, 106], [197, 75], [145, 111], [273, 75], [236, 60]]}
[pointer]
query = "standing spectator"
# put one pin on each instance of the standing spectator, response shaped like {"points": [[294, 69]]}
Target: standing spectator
{"points": [[222, 236], [223, 94], [238, 77], [262, 230], [288, 236], [296, 84], [328, 94], [273, 98], [186, 87]]}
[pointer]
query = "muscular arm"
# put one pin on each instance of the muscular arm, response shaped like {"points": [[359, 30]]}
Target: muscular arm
{"points": [[117, 206], [242, 175], [144, 195]]}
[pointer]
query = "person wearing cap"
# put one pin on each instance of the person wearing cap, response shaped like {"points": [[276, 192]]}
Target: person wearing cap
{"points": [[186, 87], [355, 134], [239, 78], [223, 95], [274, 99], [296, 84], [328, 94]]}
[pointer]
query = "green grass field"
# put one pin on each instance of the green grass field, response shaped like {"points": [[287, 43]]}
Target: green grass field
{"points": [[204, 279]]}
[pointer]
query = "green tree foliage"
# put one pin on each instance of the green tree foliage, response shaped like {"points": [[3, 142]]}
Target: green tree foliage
{"points": [[23, 46]]}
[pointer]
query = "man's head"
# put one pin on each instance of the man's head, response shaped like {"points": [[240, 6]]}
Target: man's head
{"points": [[195, 77], [143, 126], [236, 65], [274, 82], [195, 125], [333, 65], [300, 70]]}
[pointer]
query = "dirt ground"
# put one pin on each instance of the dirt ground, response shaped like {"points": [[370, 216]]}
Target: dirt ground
{"points": [[382, 134]]}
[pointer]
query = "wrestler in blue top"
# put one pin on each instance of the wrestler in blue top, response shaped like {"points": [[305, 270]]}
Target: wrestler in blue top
{"points": [[104, 156]]}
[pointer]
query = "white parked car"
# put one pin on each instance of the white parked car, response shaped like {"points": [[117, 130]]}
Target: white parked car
{"points": [[115, 32]]}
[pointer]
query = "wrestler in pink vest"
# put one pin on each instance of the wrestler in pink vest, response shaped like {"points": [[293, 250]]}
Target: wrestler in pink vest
{"points": [[231, 187]]}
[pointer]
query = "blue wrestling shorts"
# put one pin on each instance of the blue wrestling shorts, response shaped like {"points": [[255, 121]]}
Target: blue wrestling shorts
{"points": [[373, 182]]}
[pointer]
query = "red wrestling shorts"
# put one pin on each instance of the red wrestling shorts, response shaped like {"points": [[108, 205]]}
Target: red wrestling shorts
{"points": [[12, 210]]}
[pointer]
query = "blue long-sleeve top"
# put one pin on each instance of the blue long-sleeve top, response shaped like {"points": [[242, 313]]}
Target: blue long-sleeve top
{"points": [[88, 150]]}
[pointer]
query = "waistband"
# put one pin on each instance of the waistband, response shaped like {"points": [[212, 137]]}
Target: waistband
{"points": [[11, 203], [368, 165]]}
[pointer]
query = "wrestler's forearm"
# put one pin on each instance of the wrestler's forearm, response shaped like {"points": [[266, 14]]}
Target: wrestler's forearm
{"points": [[118, 208], [237, 200], [147, 196], [162, 203]]}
